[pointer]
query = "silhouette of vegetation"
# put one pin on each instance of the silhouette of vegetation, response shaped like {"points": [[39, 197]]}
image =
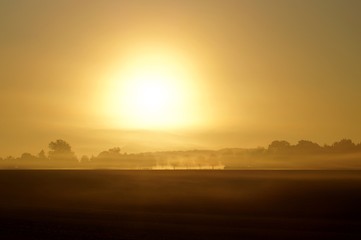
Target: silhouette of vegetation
{"points": [[41, 155], [343, 146], [280, 154], [279, 146], [307, 147], [112, 153], [61, 150]]}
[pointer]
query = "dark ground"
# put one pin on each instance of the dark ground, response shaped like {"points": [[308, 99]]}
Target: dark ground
{"points": [[107, 204]]}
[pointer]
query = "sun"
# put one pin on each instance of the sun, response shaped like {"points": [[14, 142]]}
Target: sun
{"points": [[153, 91], [152, 96]]}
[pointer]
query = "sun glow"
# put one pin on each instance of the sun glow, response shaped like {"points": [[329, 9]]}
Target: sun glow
{"points": [[153, 90]]}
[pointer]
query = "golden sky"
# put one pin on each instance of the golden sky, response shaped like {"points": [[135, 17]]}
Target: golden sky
{"points": [[202, 73]]}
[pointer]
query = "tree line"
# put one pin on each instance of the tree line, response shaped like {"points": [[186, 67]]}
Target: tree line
{"points": [[60, 155], [308, 147]]}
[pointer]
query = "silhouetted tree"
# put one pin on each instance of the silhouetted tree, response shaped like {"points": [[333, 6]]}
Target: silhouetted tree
{"points": [[113, 153], [60, 146], [279, 147], [41, 155], [27, 157], [345, 145], [307, 147], [61, 150]]}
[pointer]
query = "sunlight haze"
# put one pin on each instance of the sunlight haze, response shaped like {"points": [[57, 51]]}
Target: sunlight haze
{"points": [[184, 74], [154, 89]]}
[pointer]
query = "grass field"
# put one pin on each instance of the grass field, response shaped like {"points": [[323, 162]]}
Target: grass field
{"points": [[107, 204]]}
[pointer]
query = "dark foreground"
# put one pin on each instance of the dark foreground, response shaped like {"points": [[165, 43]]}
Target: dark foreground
{"points": [[61, 204]]}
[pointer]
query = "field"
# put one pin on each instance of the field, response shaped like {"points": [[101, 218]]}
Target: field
{"points": [[111, 204]]}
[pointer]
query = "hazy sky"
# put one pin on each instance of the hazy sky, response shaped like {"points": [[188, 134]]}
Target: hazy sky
{"points": [[247, 72]]}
